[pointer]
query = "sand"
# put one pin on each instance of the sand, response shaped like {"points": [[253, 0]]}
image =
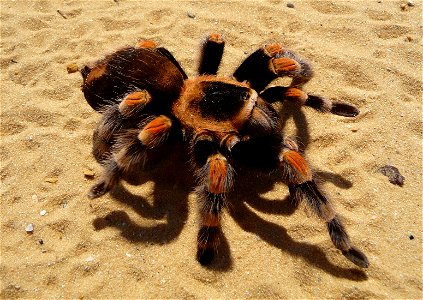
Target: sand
{"points": [[139, 240]]}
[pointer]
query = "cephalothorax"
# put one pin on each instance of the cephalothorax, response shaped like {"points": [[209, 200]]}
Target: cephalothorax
{"points": [[147, 101]]}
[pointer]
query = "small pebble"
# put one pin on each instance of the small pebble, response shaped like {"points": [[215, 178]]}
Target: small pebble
{"points": [[29, 228], [403, 6], [41, 242], [393, 174], [89, 258], [88, 173], [72, 68], [411, 237], [51, 179], [34, 197], [410, 3], [409, 38], [354, 129], [290, 5], [191, 15], [43, 212]]}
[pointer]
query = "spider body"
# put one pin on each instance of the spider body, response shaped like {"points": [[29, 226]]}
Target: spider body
{"points": [[147, 102]]}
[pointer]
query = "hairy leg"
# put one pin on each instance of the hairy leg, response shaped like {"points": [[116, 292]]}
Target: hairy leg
{"points": [[280, 93], [271, 62], [302, 187], [211, 55], [130, 151], [215, 176], [116, 118]]}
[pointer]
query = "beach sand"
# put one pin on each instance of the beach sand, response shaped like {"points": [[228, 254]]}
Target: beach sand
{"points": [[139, 241]]}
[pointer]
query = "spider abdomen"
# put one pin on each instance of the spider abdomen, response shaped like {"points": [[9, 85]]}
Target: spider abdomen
{"points": [[131, 69]]}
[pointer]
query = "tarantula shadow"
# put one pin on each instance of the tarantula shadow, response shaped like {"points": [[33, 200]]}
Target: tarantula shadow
{"points": [[157, 207], [227, 124]]}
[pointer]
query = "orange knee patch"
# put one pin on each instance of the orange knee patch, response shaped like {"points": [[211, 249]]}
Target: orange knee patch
{"points": [[215, 37], [295, 160], [296, 95], [133, 101], [272, 49], [210, 220], [147, 44], [155, 131], [283, 64], [218, 170]]}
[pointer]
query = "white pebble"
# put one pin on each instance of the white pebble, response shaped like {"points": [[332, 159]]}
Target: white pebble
{"points": [[43, 212], [89, 258], [35, 197], [29, 228]]}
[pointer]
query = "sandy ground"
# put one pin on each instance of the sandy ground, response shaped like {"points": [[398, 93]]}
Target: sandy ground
{"points": [[139, 241]]}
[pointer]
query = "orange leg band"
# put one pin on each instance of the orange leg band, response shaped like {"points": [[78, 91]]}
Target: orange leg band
{"points": [[296, 95], [272, 49], [147, 44], [218, 170], [295, 160], [155, 131], [282, 65]]}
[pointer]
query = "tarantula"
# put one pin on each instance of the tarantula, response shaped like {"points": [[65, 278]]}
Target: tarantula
{"points": [[147, 101]]}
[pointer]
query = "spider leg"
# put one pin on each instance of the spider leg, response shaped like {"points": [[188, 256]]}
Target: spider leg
{"points": [[215, 175], [115, 118], [130, 152], [271, 62], [321, 104], [302, 187], [211, 55]]}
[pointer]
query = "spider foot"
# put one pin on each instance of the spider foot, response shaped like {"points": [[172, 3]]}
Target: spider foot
{"points": [[337, 108], [344, 109], [208, 241], [98, 190], [357, 257], [205, 256]]}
